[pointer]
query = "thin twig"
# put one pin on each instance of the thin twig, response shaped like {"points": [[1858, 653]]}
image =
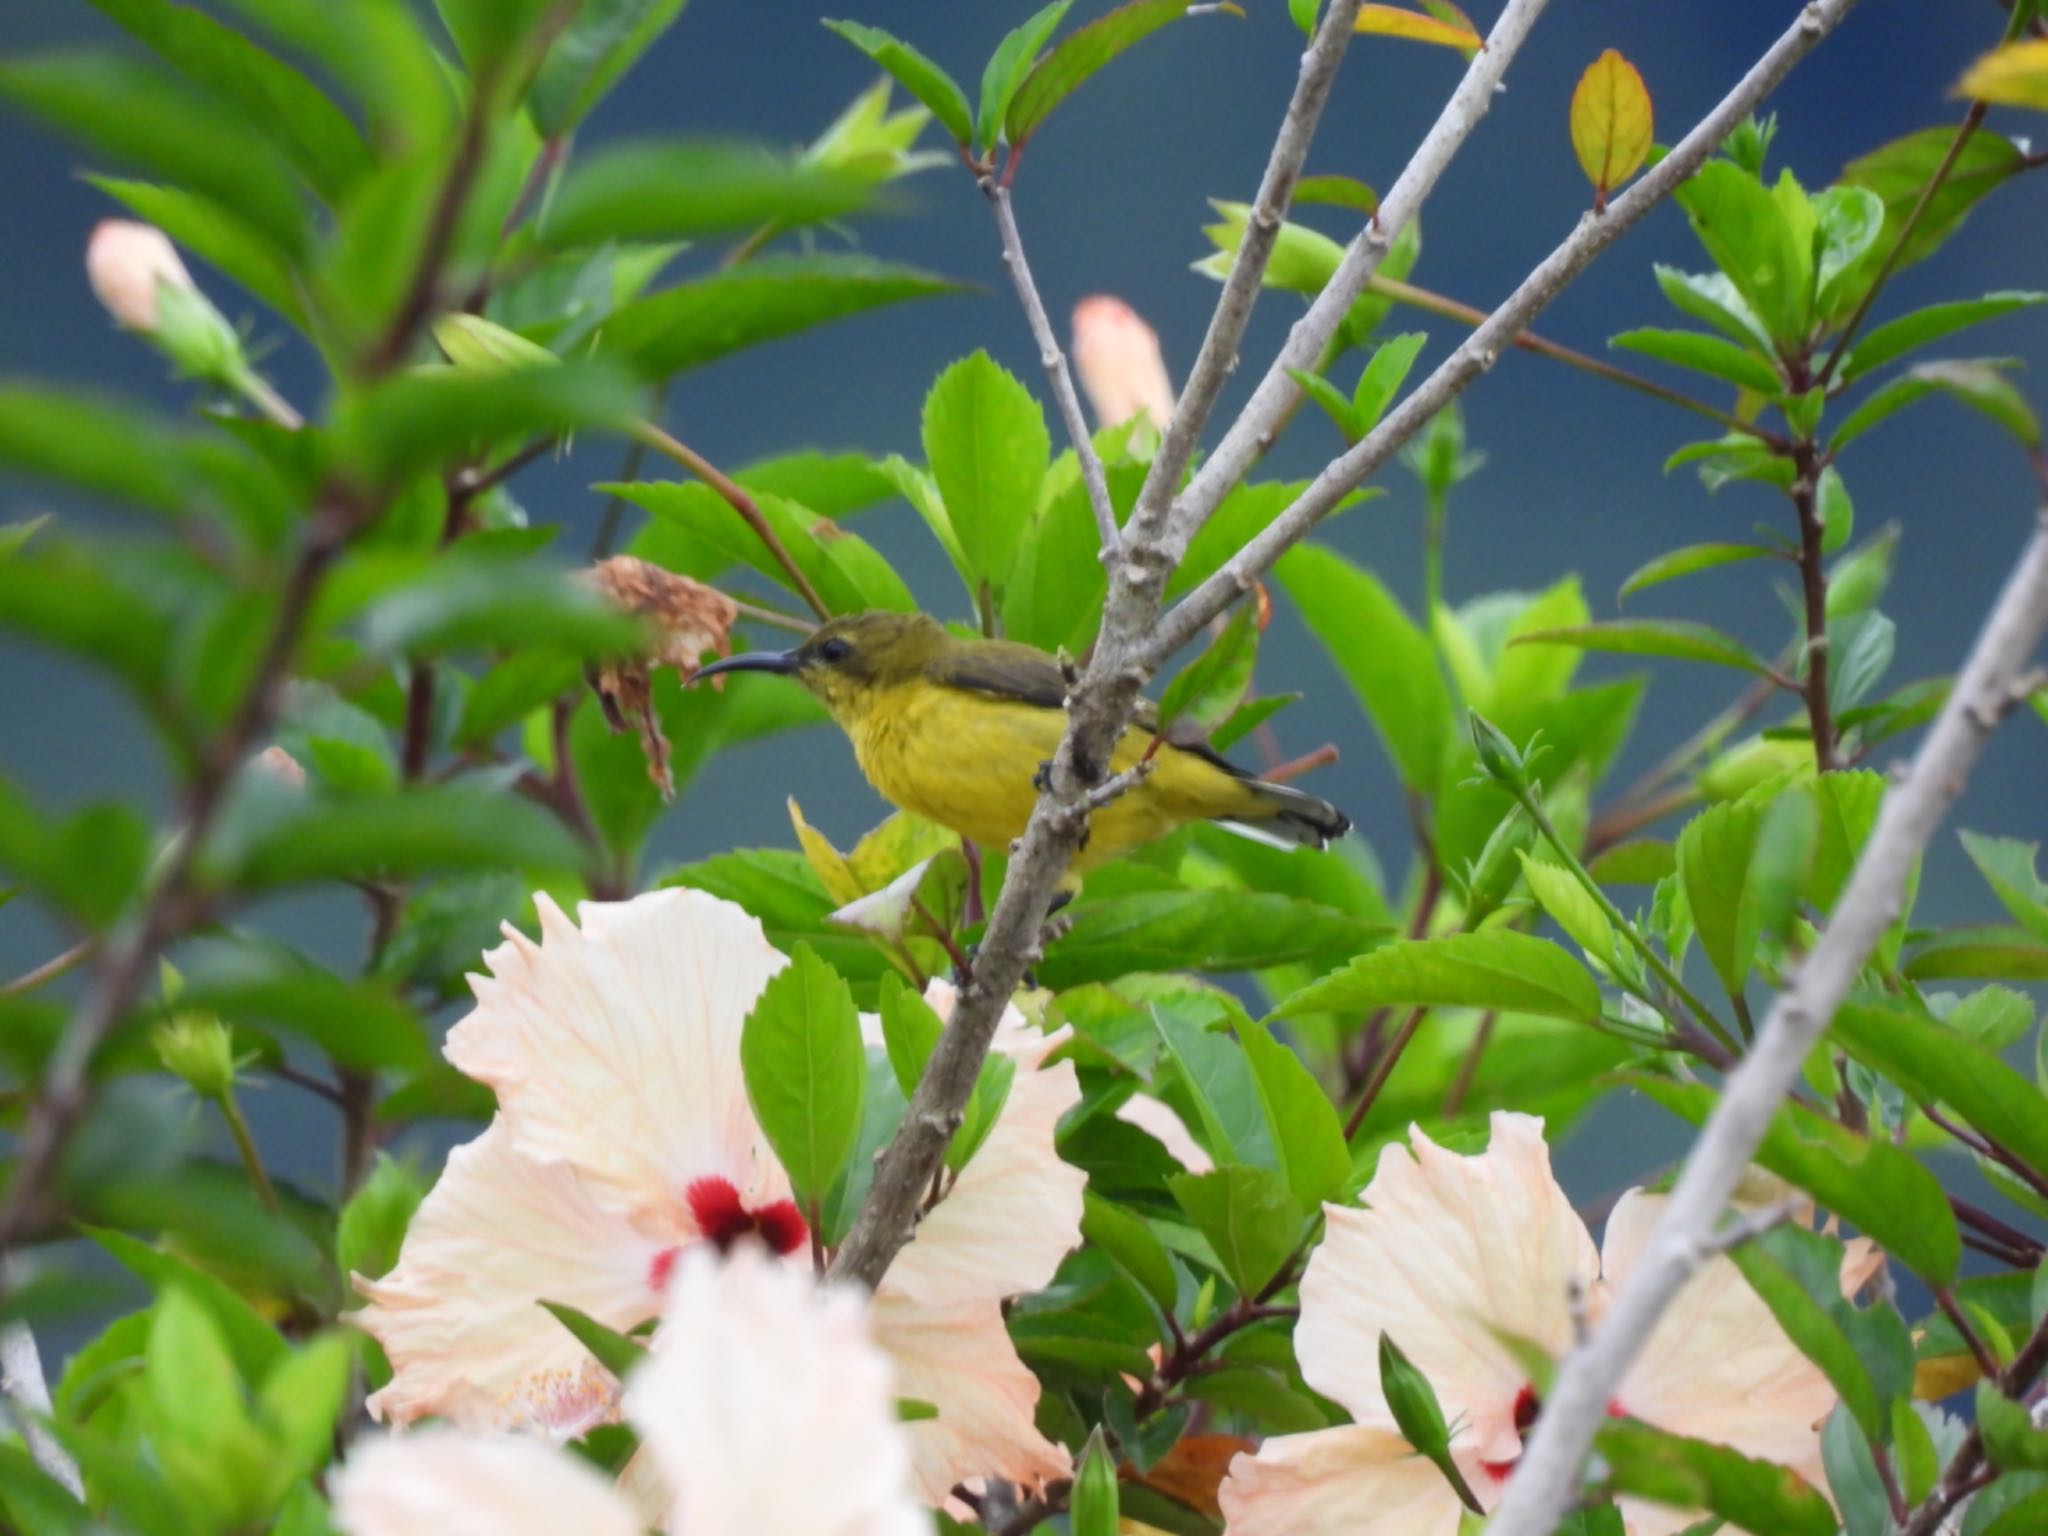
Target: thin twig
{"points": [[1100, 710], [1813, 585], [42, 975], [1450, 309], [1217, 359], [1594, 234], [1546, 1477], [1966, 1470], [1383, 1068], [1053, 359], [1972, 120], [735, 496], [1278, 395], [1468, 1068]]}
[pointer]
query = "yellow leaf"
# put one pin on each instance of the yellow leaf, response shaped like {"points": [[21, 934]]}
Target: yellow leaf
{"points": [[828, 862], [1944, 1376], [2016, 75], [1392, 21], [1611, 123]]}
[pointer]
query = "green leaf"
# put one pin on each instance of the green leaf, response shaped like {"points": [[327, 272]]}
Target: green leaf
{"points": [[613, 1350], [373, 1223], [415, 422], [1713, 300], [762, 300], [362, 1024], [1987, 954], [1837, 512], [1132, 1244], [1687, 561], [299, 1403], [461, 602], [1895, 338], [1994, 1017], [283, 108], [1208, 690], [35, 1502], [910, 1031], [1981, 385], [1938, 1065], [1248, 717], [189, 1373], [1851, 219], [1498, 969], [1899, 172], [1736, 456], [1878, 1187], [1847, 803], [1867, 1356], [1382, 379], [2011, 1441], [806, 1072], [195, 141], [1389, 662], [451, 826], [986, 441], [255, 1346], [215, 235], [602, 43], [1213, 928], [1572, 908], [98, 447], [1212, 1069], [1334, 402], [1744, 865], [1755, 239], [917, 75], [1304, 1125], [1250, 1220], [1761, 1497], [1005, 71], [683, 191], [1078, 56], [1653, 637], [1704, 354], [2007, 865]]}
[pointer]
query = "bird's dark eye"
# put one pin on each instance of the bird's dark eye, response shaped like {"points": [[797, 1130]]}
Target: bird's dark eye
{"points": [[832, 650]]}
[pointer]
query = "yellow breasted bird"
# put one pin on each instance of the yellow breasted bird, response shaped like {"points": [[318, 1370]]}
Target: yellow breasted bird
{"points": [[955, 730]]}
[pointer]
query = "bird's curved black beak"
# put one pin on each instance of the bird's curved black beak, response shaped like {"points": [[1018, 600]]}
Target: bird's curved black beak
{"points": [[782, 662]]}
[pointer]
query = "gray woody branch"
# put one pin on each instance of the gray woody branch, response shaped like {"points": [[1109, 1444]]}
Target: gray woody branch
{"points": [[1100, 708], [1479, 351], [1546, 1478], [1130, 646], [27, 1396], [1054, 361]]}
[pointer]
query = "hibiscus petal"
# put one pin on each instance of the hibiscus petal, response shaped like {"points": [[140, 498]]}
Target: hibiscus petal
{"points": [[1448, 1249], [440, 1482], [1157, 1119], [459, 1315], [768, 1407], [614, 1047], [1014, 1213], [1351, 1481], [961, 1361], [1718, 1366]]}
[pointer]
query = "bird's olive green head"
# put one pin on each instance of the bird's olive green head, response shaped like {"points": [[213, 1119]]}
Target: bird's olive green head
{"points": [[848, 659]]}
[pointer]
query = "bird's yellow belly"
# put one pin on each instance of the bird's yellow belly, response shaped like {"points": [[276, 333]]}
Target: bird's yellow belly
{"points": [[967, 762]]}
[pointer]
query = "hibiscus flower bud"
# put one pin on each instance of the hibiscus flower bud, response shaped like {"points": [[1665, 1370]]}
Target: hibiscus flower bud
{"points": [[136, 273], [198, 1049], [1117, 356], [477, 345]]}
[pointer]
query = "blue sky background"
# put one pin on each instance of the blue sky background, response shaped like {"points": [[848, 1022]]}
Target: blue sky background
{"points": [[1111, 199]]}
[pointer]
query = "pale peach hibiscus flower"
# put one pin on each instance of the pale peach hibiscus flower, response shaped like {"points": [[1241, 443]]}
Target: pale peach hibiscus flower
{"points": [[624, 1139], [1447, 1254], [765, 1403]]}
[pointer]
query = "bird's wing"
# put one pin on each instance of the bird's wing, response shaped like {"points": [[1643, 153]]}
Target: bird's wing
{"points": [[1024, 674]]}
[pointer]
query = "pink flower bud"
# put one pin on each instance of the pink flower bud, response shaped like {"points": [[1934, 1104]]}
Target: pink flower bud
{"points": [[125, 261], [1117, 356]]}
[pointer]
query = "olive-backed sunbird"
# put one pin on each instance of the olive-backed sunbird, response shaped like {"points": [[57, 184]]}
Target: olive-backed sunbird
{"points": [[956, 730]]}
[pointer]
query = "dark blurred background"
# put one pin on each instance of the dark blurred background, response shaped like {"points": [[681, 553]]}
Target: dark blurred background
{"points": [[1111, 199]]}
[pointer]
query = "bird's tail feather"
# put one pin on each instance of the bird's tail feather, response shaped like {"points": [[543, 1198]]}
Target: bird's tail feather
{"points": [[1290, 818]]}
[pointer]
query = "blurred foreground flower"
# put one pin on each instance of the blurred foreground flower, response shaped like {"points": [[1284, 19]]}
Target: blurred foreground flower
{"points": [[765, 1404], [1449, 1255], [1117, 356], [687, 618], [625, 1141]]}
